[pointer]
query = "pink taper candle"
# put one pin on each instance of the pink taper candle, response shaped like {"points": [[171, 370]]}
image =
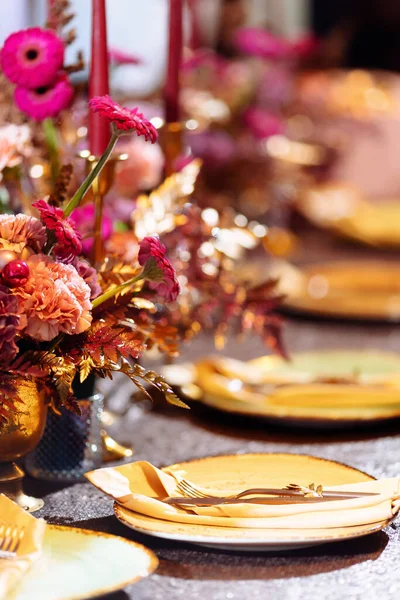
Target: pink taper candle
{"points": [[171, 90], [99, 128]]}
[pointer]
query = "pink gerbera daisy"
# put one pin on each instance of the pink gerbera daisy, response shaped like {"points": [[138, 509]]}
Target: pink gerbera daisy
{"points": [[32, 57], [123, 119], [158, 269], [44, 102], [69, 242]]}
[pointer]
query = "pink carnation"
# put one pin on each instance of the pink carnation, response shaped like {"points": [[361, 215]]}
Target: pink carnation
{"points": [[256, 41], [55, 299], [23, 231], [123, 119], [263, 123], [44, 102], [158, 269], [89, 275], [143, 168], [68, 238], [32, 57]]}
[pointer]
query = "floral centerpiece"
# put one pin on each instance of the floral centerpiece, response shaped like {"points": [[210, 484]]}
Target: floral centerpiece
{"points": [[60, 318]]}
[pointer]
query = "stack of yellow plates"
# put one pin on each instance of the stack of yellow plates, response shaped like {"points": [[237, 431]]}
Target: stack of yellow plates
{"points": [[139, 491], [358, 290], [324, 388], [340, 208]]}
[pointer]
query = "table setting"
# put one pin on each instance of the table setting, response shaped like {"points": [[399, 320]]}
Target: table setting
{"points": [[199, 319]]}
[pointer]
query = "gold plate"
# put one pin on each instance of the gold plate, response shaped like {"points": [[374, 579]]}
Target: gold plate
{"points": [[340, 208], [324, 388], [357, 290], [249, 470]]}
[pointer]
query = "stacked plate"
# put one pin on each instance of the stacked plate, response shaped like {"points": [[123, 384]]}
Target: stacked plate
{"points": [[325, 388], [141, 493], [341, 208]]}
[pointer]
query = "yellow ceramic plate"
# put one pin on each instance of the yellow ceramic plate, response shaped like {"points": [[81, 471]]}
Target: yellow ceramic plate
{"points": [[324, 388], [77, 564], [340, 208], [249, 470], [347, 290]]}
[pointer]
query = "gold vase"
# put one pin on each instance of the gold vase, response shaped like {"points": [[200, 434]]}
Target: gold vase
{"points": [[18, 437]]}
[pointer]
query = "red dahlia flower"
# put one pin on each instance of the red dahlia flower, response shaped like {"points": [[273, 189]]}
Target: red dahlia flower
{"points": [[158, 269], [69, 242], [123, 119], [44, 102], [32, 57]]}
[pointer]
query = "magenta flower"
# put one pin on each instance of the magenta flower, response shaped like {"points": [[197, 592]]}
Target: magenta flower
{"points": [[158, 269], [11, 321], [119, 57], [256, 41], [262, 123], [32, 57], [123, 119], [89, 276], [45, 102], [83, 219], [68, 238]]}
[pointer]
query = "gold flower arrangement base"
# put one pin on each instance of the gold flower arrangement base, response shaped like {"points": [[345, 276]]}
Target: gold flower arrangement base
{"points": [[18, 436], [11, 476]]}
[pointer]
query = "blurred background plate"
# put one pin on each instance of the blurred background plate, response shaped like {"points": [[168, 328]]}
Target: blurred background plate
{"points": [[355, 290], [327, 389]]}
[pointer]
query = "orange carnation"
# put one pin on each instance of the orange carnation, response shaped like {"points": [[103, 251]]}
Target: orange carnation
{"points": [[55, 299]]}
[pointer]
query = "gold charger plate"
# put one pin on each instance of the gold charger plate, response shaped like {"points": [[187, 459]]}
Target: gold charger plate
{"points": [[341, 208], [251, 470], [323, 388], [357, 290], [78, 564]]}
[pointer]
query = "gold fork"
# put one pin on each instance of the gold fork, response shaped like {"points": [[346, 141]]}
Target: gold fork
{"points": [[10, 539], [312, 491]]}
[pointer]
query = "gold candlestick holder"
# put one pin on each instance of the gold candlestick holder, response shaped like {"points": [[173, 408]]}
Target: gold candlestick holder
{"points": [[171, 137], [99, 189]]}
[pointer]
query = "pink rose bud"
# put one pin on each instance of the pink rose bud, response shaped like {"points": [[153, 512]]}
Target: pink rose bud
{"points": [[15, 273]]}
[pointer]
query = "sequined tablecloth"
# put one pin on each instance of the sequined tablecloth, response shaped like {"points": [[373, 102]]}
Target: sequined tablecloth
{"points": [[366, 568]]}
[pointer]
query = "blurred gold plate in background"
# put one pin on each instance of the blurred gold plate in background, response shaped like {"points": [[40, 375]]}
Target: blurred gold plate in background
{"points": [[356, 290], [253, 470], [323, 388], [341, 208]]}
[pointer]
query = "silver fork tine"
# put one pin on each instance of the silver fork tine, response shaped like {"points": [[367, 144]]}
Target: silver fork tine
{"points": [[188, 490]]}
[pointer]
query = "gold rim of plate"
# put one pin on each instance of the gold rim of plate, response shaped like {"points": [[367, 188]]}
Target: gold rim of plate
{"points": [[374, 397], [355, 290], [200, 471]]}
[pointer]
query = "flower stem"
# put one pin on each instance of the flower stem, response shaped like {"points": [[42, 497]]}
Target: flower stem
{"points": [[83, 189], [114, 291], [52, 143]]}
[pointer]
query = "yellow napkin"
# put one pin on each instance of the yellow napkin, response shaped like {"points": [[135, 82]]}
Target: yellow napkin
{"points": [[12, 569], [140, 487]]}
